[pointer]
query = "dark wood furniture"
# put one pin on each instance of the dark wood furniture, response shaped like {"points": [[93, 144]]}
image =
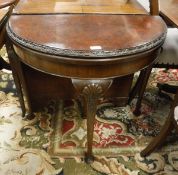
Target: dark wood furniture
{"points": [[82, 56], [41, 95], [167, 59]]}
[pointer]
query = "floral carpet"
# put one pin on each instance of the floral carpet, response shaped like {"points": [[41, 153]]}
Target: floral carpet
{"points": [[54, 142]]}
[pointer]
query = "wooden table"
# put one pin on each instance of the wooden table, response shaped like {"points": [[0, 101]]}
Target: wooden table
{"points": [[39, 96], [72, 55], [169, 11]]}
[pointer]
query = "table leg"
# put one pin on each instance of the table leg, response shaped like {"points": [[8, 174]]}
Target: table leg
{"points": [[29, 112], [137, 86], [142, 86], [91, 91], [12, 60], [19, 81]]}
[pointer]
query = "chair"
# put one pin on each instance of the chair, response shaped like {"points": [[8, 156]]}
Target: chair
{"points": [[167, 59], [5, 13]]}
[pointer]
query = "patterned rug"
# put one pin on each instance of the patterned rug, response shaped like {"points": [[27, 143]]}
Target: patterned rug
{"points": [[54, 142]]}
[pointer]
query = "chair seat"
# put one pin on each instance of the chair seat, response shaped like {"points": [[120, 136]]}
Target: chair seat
{"points": [[169, 56]]}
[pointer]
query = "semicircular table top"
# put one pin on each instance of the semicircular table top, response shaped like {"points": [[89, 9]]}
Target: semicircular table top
{"points": [[87, 35], [5, 3]]}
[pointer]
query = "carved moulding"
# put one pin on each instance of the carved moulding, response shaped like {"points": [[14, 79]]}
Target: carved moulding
{"points": [[85, 53]]}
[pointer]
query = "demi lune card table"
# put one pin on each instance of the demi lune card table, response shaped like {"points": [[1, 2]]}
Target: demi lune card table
{"points": [[80, 53]]}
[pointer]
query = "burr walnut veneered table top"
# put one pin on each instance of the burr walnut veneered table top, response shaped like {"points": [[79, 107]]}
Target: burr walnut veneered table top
{"points": [[79, 6]]}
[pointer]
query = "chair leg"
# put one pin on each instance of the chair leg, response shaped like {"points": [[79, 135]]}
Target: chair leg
{"points": [[165, 130], [158, 140]]}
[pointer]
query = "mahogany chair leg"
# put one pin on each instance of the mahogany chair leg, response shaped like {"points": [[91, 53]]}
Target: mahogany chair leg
{"points": [[158, 140], [145, 73], [165, 130]]}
